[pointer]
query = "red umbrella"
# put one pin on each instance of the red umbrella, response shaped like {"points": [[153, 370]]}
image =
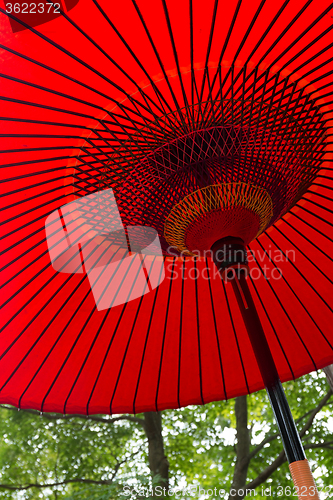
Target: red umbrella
{"points": [[208, 121]]}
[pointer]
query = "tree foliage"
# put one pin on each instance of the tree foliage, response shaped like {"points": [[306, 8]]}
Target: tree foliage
{"points": [[64, 457]]}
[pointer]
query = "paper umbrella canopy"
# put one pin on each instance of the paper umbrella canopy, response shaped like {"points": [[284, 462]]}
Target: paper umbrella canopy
{"points": [[134, 135]]}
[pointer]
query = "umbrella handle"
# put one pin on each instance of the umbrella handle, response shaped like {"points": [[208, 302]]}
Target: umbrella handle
{"points": [[305, 487], [303, 480]]}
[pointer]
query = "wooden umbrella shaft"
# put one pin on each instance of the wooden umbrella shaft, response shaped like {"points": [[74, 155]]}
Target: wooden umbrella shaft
{"points": [[289, 435], [234, 269]]}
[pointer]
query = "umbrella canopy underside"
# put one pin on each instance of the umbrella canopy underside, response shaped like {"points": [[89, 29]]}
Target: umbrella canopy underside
{"points": [[88, 98]]}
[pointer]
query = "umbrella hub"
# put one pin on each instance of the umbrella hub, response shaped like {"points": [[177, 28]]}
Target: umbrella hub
{"points": [[209, 214], [230, 257]]}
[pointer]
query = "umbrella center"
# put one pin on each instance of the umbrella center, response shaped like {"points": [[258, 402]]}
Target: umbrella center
{"points": [[209, 214]]}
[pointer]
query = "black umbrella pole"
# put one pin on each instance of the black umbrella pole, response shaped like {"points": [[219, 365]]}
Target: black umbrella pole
{"points": [[234, 270]]}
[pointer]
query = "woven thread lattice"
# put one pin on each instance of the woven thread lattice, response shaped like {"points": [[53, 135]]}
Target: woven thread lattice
{"points": [[233, 141], [213, 198]]}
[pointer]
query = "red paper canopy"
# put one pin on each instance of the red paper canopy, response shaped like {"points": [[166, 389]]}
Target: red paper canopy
{"points": [[88, 98]]}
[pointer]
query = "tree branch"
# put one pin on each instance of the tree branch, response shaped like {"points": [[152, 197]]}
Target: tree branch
{"points": [[327, 403], [314, 412], [306, 427], [50, 416], [312, 446], [52, 485], [265, 474], [268, 439]]}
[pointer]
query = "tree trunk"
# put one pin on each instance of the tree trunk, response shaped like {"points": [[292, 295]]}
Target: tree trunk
{"points": [[158, 462], [238, 487], [329, 375]]}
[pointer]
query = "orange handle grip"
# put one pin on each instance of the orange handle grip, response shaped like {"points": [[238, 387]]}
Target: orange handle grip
{"points": [[303, 480]]}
